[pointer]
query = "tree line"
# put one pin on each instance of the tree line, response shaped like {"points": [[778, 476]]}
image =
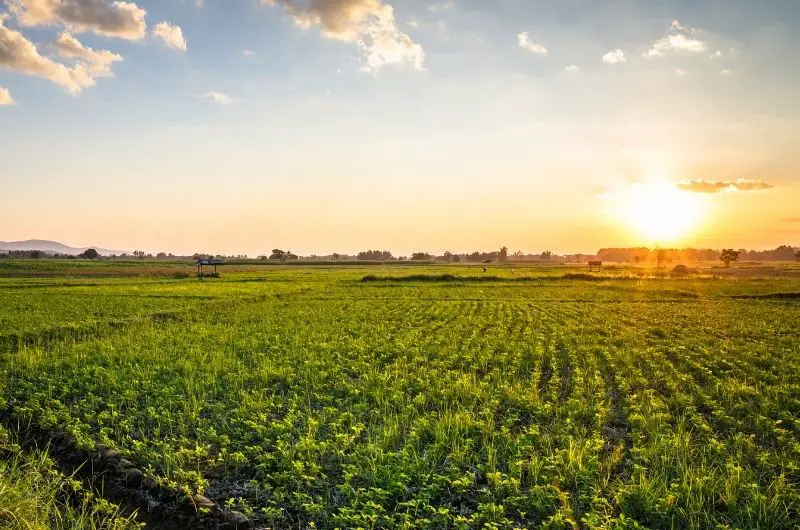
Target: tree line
{"points": [[618, 255]]}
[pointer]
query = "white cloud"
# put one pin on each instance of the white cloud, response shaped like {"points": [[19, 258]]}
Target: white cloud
{"points": [[248, 53], [217, 97], [98, 62], [18, 54], [614, 57], [573, 68], [370, 24], [119, 19], [679, 38], [5, 97], [726, 72], [524, 41], [680, 72], [171, 34]]}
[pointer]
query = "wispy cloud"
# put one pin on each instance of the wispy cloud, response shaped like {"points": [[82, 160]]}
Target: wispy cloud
{"points": [[5, 97], [370, 24], [217, 98], [524, 41], [444, 5], [573, 68], [791, 219], [679, 38], [614, 57], [171, 34], [719, 186]]}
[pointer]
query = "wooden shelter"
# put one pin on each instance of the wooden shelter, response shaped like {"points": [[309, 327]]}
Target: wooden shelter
{"points": [[208, 262]]}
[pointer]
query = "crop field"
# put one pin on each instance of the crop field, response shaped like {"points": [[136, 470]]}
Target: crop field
{"points": [[409, 397]]}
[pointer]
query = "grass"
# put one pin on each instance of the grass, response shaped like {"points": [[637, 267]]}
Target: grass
{"points": [[36, 495], [310, 396]]}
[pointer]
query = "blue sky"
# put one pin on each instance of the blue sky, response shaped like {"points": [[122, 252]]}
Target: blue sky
{"points": [[477, 123]]}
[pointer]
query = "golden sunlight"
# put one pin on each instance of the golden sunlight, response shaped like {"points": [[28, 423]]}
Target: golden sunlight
{"points": [[660, 213]]}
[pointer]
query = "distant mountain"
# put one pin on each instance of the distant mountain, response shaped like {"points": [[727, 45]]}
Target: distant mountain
{"points": [[50, 247]]}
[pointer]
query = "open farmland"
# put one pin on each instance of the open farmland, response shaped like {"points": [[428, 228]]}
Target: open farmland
{"points": [[419, 397]]}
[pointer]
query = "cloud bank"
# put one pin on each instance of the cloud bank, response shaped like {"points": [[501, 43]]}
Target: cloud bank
{"points": [[368, 23], [719, 186], [122, 20], [19, 54]]}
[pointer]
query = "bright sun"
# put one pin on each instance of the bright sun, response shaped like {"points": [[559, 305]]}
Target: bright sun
{"points": [[660, 213]]}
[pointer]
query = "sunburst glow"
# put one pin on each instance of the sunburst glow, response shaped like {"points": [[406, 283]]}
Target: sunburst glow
{"points": [[660, 213]]}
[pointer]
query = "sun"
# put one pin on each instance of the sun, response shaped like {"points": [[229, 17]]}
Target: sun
{"points": [[660, 213]]}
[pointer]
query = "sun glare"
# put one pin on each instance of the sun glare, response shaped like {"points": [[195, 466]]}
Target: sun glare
{"points": [[660, 213]]}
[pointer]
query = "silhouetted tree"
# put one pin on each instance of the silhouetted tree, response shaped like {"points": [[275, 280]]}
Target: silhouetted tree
{"points": [[421, 256], [729, 255], [90, 253], [546, 255], [661, 257], [375, 255], [503, 254], [278, 254]]}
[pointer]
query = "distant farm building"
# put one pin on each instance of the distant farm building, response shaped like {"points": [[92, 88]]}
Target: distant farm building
{"points": [[595, 265], [208, 262]]}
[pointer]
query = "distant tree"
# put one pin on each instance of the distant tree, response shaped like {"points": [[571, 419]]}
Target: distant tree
{"points": [[375, 255], [783, 253], [503, 254], [336, 256], [448, 256], [661, 257], [278, 254], [161, 255], [457, 258], [729, 255], [797, 255], [546, 255], [518, 254], [90, 253], [138, 254], [36, 254], [421, 256]]}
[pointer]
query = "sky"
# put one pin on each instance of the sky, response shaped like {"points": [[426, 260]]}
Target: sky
{"points": [[319, 126]]}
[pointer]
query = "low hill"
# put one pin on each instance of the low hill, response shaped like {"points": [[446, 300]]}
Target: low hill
{"points": [[50, 247]]}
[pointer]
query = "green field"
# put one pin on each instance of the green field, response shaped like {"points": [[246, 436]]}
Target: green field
{"points": [[426, 397]]}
